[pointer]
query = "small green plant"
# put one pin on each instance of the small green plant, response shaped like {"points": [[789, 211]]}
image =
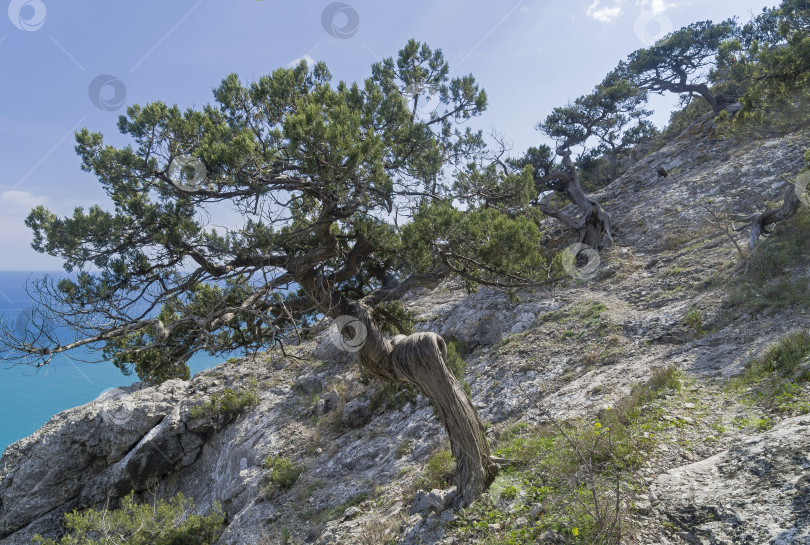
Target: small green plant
{"points": [[509, 492], [776, 376], [392, 396], [338, 510], [170, 522], [283, 472], [439, 471], [394, 319], [694, 321], [229, 403]]}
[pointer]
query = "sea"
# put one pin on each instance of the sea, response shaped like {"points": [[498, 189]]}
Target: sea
{"points": [[29, 397]]}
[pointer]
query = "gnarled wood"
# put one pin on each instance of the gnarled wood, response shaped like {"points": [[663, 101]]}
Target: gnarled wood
{"points": [[419, 359], [759, 223], [594, 223]]}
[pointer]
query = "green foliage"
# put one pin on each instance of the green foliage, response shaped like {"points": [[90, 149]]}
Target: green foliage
{"points": [[228, 404], [394, 319], [769, 67], [774, 278], [694, 320], [392, 396], [344, 158], [170, 522], [283, 472], [683, 54], [455, 361], [776, 376], [439, 471], [485, 246]]}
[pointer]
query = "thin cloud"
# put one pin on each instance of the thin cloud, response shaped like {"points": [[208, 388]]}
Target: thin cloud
{"points": [[604, 14], [654, 7], [310, 61]]}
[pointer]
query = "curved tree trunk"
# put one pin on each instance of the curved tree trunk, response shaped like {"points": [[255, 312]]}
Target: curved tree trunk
{"points": [[759, 223], [594, 224], [418, 359]]}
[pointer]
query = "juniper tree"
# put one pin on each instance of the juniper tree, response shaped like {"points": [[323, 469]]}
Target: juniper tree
{"points": [[680, 63], [602, 115], [344, 200]]}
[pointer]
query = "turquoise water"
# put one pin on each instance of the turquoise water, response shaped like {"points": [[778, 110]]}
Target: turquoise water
{"points": [[29, 397]]}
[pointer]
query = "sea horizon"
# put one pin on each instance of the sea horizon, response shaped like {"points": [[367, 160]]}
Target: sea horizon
{"points": [[29, 397]]}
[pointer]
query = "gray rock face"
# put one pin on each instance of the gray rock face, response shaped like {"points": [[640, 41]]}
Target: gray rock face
{"points": [[309, 383], [480, 319], [356, 413], [143, 439], [758, 491], [82, 454], [426, 503]]}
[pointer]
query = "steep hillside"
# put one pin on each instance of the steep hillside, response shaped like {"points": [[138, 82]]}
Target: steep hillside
{"points": [[701, 459]]}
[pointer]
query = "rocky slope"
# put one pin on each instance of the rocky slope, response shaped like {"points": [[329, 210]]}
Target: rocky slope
{"points": [[713, 477]]}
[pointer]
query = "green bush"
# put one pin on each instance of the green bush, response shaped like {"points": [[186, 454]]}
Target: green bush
{"points": [[161, 523], [229, 403], [694, 320], [774, 278], [775, 376], [439, 471], [283, 472]]}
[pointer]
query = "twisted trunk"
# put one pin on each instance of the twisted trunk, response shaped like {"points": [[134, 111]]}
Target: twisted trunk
{"points": [[418, 359], [760, 223], [594, 224]]}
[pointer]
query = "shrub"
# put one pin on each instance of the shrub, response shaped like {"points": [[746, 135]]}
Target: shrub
{"points": [[439, 471], [161, 523], [776, 374], [773, 279], [283, 472], [694, 320], [229, 403]]}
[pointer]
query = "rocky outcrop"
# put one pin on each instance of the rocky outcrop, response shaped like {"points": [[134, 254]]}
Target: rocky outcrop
{"points": [[362, 456], [757, 491]]}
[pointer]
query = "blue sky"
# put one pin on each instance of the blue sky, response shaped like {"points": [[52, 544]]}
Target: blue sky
{"points": [[529, 55]]}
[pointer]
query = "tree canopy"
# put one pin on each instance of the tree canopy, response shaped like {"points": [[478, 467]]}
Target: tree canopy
{"points": [[345, 198], [680, 62]]}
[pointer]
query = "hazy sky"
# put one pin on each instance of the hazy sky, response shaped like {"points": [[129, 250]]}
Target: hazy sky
{"points": [[67, 65]]}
